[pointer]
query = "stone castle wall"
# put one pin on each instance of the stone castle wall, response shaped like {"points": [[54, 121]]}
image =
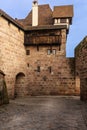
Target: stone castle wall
{"points": [[81, 67], [12, 53], [50, 74], [37, 73], [56, 73]]}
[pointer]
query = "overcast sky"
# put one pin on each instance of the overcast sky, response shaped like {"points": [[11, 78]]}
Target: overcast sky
{"points": [[78, 30]]}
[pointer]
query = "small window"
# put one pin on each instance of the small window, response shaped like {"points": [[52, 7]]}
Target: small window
{"points": [[50, 69], [37, 48], [59, 48], [54, 51], [38, 68], [27, 52], [28, 65], [62, 20], [49, 51], [55, 21], [8, 23]]}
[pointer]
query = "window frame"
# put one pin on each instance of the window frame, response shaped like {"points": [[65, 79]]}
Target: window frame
{"points": [[27, 52], [49, 51], [54, 51]]}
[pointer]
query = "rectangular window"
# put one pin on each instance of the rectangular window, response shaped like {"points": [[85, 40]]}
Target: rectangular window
{"points": [[28, 65], [37, 48], [56, 21], [50, 69], [27, 52], [62, 20], [59, 48], [38, 68], [49, 51], [54, 51]]}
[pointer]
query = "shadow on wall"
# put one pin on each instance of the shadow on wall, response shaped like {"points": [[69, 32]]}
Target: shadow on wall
{"points": [[78, 89], [83, 94], [3, 89]]}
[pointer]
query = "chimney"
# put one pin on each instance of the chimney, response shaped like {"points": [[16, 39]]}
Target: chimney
{"points": [[35, 13]]}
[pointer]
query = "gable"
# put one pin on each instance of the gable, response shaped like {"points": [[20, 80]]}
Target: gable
{"points": [[63, 11], [45, 16]]}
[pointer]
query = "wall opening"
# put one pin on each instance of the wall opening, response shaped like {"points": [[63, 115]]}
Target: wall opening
{"points": [[19, 85]]}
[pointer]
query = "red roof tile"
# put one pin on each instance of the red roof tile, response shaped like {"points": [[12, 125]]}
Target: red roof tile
{"points": [[63, 11], [44, 16]]}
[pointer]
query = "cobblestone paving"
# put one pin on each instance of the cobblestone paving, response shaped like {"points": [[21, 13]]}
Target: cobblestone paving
{"points": [[44, 113]]}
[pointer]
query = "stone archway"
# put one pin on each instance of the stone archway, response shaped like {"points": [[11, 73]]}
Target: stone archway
{"points": [[20, 85]]}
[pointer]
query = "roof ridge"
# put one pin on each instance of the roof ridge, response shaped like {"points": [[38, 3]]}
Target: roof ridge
{"points": [[8, 17], [44, 5], [63, 5]]}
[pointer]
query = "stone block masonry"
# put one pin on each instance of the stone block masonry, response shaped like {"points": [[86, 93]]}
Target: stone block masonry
{"points": [[12, 53], [34, 58], [3, 90], [39, 73], [52, 74], [49, 71], [81, 67]]}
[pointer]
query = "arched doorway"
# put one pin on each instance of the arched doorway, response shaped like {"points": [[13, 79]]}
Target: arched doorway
{"points": [[19, 85]]}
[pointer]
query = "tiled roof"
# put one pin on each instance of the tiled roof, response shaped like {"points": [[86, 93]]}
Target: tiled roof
{"points": [[44, 16], [63, 11], [46, 27]]}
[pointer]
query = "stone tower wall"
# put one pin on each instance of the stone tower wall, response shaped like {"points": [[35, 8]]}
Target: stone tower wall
{"points": [[50, 74], [81, 67], [37, 73], [57, 73], [12, 53]]}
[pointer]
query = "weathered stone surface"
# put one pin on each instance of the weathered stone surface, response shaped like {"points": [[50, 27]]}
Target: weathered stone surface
{"points": [[81, 67], [60, 80], [12, 53], [56, 74], [44, 113]]}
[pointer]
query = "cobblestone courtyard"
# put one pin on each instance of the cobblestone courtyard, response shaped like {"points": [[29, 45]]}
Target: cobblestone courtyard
{"points": [[44, 113]]}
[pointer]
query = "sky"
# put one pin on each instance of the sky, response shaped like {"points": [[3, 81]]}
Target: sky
{"points": [[78, 30]]}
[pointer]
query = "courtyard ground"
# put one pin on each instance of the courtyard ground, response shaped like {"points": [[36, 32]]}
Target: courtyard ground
{"points": [[44, 113]]}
